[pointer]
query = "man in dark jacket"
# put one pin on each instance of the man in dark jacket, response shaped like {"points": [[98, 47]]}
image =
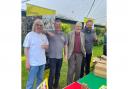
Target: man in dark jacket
{"points": [[90, 38]]}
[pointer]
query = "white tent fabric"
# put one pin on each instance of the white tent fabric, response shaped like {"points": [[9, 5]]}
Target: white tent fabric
{"points": [[75, 9]]}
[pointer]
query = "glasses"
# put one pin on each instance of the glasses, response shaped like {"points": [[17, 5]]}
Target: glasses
{"points": [[39, 25]]}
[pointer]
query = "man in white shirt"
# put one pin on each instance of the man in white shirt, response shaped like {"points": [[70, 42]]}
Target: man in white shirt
{"points": [[35, 44]]}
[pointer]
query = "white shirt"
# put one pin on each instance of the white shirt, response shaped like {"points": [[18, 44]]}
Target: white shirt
{"points": [[34, 41]]}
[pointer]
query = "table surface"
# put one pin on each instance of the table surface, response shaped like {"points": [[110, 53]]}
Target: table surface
{"points": [[93, 81]]}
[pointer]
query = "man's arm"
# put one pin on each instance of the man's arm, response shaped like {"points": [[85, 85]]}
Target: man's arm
{"points": [[66, 46], [65, 52], [48, 33], [26, 52], [45, 46]]}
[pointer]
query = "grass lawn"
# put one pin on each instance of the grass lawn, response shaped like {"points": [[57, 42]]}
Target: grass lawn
{"points": [[97, 51]]}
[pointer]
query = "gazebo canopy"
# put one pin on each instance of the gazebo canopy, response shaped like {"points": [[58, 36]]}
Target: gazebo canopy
{"points": [[74, 9]]}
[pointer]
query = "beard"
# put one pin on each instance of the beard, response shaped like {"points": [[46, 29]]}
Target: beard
{"points": [[89, 27]]}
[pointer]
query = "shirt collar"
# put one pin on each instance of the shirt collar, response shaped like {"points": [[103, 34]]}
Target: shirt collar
{"points": [[77, 33], [88, 30]]}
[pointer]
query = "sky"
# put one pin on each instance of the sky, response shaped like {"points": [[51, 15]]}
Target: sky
{"points": [[76, 9]]}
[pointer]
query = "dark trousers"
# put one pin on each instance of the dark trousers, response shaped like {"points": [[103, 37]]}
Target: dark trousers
{"points": [[85, 66], [55, 67], [105, 50]]}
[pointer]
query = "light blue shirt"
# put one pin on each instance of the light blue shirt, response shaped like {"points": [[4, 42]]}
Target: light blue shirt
{"points": [[33, 41]]}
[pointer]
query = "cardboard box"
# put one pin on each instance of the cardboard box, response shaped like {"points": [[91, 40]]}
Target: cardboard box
{"points": [[100, 66], [100, 73], [96, 59], [104, 57], [99, 60]]}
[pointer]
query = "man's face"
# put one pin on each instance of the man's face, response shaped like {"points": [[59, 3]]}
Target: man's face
{"points": [[78, 27], [38, 27], [57, 25], [89, 24]]}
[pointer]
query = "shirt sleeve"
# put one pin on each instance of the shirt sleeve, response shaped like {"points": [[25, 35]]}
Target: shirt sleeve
{"points": [[83, 30], [66, 40], [46, 40], [26, 41]]}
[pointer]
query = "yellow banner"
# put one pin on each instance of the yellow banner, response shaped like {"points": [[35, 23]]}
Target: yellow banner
{"points": [[33, 10]]}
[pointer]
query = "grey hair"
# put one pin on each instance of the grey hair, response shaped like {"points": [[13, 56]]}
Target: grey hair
{"points": [[79, 23], [35, 22]]}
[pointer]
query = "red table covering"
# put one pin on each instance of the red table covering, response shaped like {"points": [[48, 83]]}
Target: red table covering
{"points": [[74, 85]]}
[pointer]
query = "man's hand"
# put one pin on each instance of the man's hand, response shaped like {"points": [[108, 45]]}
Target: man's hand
{"points": [[50, 33], [65, 58], [27, 66], [65, 52], [45, 46]]}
